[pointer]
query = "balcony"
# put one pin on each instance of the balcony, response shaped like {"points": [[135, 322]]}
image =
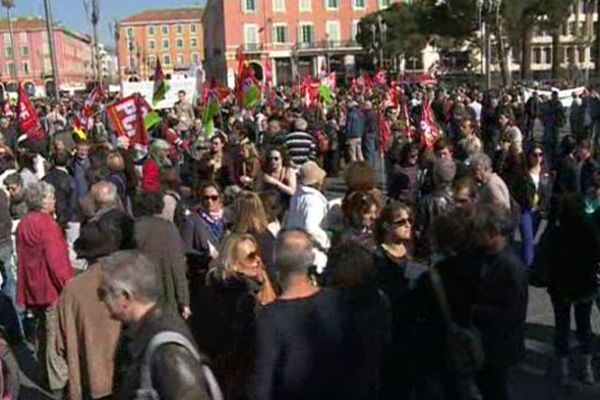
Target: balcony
{"points": [[331, 45], [254, 48]]}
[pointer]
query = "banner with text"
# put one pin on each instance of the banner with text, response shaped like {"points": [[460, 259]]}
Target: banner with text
{"points": [[146, 88]]}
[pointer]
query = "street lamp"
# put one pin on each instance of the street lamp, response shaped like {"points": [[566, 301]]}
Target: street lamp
{"points": [[382, 37], [50, 31], [8, 4]]}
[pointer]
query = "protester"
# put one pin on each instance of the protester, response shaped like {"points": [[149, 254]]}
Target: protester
{"points": [[300, 144], [43, 271], [130, 289], [279, 175], [161, 242], [493, 188], [64, 188]]}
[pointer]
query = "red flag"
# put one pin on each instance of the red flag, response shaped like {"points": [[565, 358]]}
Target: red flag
{"points": [[29, 121], [385, 133], [127, 118], [430, 132], [381, 78], [88, 108]]}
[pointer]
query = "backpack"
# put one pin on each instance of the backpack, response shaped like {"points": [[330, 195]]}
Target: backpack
{"points": [[179, 216], [464, 348], [323, 145], [147, 391]]}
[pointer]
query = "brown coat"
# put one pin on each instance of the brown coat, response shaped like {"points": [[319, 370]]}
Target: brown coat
{"points": [[160, 240], [87, 337]]}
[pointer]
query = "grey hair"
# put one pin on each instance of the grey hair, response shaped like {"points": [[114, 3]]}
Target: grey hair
{"points": [[131, 272], [481, 160], [300, 124], [37, 194], [105, 194], [160, 144], [294, 252]]}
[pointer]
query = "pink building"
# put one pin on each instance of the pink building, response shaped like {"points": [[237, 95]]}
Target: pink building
{"points": [[298, 36], [32, 59]]}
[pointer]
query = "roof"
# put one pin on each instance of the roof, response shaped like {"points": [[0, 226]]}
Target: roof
{"points": [[166, 14], [28, 24]]}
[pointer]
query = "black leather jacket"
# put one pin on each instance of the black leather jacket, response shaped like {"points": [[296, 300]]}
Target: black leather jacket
{"points": [[176, 374]]}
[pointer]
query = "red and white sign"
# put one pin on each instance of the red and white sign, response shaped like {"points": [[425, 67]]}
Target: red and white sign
{"points": [[127, 118]]}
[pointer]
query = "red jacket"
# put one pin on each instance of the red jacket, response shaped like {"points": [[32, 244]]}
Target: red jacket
{"points": [[151, 176], [44, 267]]}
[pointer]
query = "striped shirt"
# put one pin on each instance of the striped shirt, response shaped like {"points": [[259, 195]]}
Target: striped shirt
{"points": [[301, 147]]}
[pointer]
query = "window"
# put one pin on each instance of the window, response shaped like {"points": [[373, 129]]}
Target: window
{"points": [[278, 5], [179, 29], [130, 32], [166, 59], [359, 4], [179, 43], [8, 52], [572, 29], [582, 54], [307, 33], [165, 43], [193, 43], [195, 59], [165, 29], [305, 5], [547, 55], [332, 4], [24, 51], [11, 69], [23, 37], [249, 6], [25, 67], [193, 28], [280, 34], [571, 55], [151, 44], [537, 55], [151, 30], [152, 61], [354, 29], [332, 32], [250, 34], [180, 59], [384, 3]]}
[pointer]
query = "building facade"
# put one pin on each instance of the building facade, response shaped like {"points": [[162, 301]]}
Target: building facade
{"points": [[173, 35], [292, 37], [32, 62]]}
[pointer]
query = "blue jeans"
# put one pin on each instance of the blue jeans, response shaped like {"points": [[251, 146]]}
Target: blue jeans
{"points": [[528, 224], [369, 148], [9, 280]]}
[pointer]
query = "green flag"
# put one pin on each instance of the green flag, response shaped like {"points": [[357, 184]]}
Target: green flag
{"points": [[160, 84], [325, 93], [151, 119]]}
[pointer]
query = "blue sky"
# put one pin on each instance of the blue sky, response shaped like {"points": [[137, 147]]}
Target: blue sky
{"points": [[71, 13]]}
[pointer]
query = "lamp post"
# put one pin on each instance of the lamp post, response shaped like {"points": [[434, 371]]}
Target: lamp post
{"points": [[50, 31], [8, 4], [382, 28]]}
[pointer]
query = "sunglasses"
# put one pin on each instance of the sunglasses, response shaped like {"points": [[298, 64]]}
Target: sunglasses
{"points": [[538, 154], [273, 158], [253, 256], [210, 198], [402, 222]]}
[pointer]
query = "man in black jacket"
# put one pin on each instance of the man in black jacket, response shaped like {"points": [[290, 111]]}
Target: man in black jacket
{"points": [[64, 188], [131, 292]]}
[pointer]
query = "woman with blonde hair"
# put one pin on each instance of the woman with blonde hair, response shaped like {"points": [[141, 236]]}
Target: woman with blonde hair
{"points": [[249, 217], [239, 287], [116, 174], [246, 165]]}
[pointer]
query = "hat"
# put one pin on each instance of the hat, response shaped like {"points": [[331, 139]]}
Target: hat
{"points": [[444, 170], [311, 173]]}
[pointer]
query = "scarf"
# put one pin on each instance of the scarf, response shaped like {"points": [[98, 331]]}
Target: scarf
{"points": [[214, 220]]}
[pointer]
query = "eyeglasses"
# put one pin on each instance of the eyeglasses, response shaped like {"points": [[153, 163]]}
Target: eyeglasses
{"points": [[210, 198], [252, 256], [402, 222]]}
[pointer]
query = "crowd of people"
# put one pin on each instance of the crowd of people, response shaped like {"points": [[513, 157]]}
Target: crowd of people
{"points": [[218, 266]]}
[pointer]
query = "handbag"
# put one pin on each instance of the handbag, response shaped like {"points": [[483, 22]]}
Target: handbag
{"points": [[464, 348]]}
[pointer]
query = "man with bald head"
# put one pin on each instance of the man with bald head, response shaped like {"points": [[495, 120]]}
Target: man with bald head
{"points": [[302, 346]]}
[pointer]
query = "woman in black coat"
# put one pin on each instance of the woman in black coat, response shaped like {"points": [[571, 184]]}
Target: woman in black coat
{"points": [[574, 253]]}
